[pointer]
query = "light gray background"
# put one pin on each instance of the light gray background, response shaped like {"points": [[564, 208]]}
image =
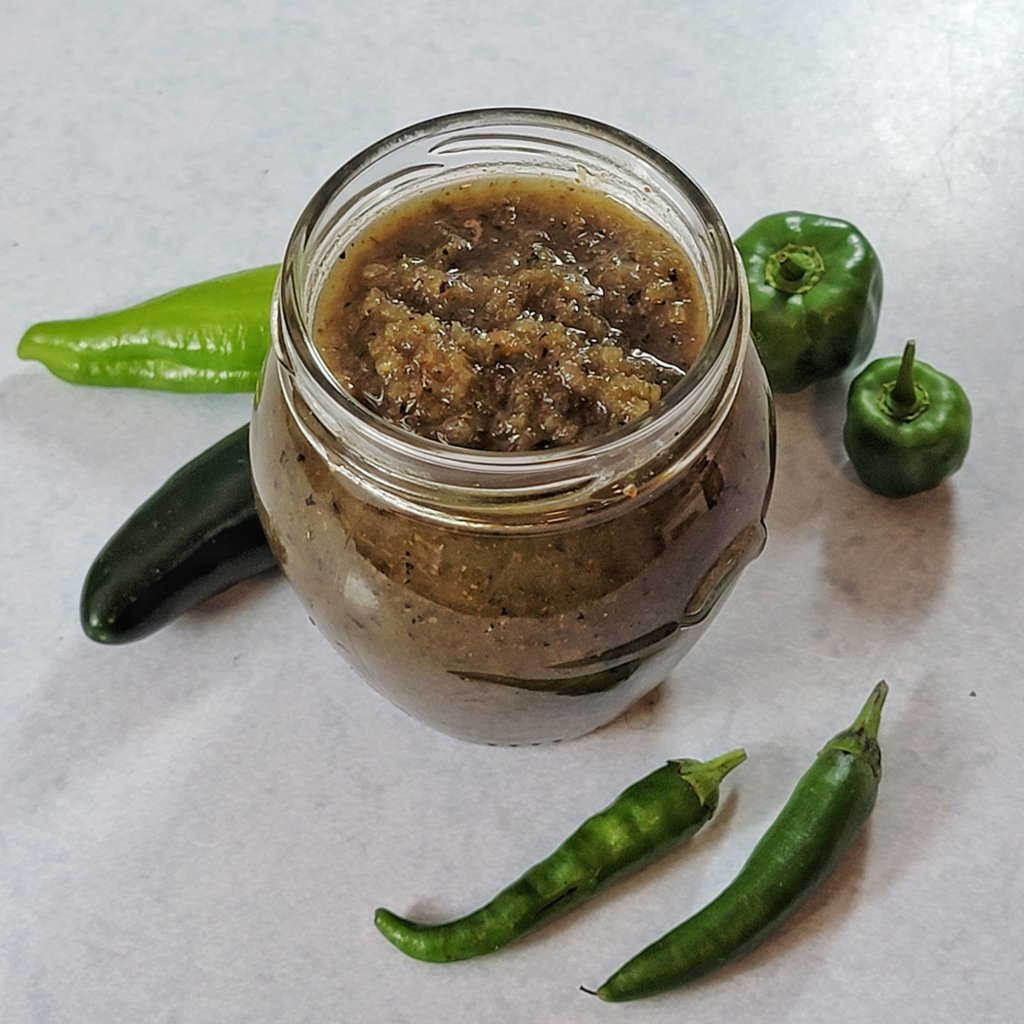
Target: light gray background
{"points": [[197, 828]]}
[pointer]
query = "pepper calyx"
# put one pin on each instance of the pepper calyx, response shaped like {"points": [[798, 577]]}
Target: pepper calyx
{"points": [[794, 269]]}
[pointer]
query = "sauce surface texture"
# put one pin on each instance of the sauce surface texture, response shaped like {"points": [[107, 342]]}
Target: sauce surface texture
{"points": [[511, 315]]}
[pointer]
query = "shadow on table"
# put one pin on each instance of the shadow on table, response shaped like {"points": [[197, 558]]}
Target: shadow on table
{"points": [[888, 557]]}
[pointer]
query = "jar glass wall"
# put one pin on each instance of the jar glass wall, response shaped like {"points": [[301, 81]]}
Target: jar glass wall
{"points": [[513, 597]]}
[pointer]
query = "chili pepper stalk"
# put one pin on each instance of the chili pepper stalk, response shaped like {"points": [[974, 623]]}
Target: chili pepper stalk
{"points": [[808, 839], [908, 426], [211, 336], [645, 821]]}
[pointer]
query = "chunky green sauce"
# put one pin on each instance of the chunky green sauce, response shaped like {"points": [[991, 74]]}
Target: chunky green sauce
{"points": [[511, 315]]}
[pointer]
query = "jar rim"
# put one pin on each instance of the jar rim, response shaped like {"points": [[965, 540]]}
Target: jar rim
{"points": [[693, 388]]}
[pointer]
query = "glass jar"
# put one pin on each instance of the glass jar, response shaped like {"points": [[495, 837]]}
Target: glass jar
{"points": [[513, 597]]}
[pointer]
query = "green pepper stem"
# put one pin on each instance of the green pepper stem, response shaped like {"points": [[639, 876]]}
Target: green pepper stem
{"points": [[870, 715], [794, 268], [903, 396], [795, 265], [861, 738], [904, 399], [705, 776]]}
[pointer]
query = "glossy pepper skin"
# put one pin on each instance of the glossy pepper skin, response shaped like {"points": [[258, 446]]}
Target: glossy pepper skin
{"points": [[815, 294], [211, 336], [642, 823], [193, 538], [908, 426]]}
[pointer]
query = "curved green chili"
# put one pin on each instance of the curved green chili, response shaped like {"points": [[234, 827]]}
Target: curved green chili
{"points": [[643, 822], [211, 336], [797, 853]]}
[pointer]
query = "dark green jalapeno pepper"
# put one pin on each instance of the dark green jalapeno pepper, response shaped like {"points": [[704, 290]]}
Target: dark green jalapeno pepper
{"points": [[798, 852], [196, 536], [815, 292], [642, 823], [908, 426], [211, 336]]}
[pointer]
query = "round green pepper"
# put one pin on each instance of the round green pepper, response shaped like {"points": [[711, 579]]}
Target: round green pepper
{"points": [[908, 426], [815, 292]]}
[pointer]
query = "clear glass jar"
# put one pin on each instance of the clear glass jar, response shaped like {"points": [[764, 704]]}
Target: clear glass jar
{"points": [[513, 597]]}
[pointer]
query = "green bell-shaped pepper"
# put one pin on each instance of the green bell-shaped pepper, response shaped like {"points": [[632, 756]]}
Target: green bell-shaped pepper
{"points": [[908, 426], [815, 293]]}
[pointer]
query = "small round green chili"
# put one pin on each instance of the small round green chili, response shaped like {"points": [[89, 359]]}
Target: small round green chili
{"points": [[643, 822], [815, 287], [908, 425], [798, 852]]}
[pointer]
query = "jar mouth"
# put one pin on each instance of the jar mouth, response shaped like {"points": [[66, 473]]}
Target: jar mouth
{"points": [[418, 154]]}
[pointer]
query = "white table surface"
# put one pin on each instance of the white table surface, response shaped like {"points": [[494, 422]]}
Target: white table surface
{"points": [[197, 827]]}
